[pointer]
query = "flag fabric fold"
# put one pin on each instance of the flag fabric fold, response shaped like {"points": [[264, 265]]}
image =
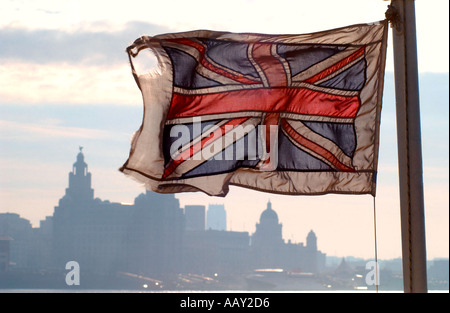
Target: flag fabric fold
{"points": [[287, 114]]}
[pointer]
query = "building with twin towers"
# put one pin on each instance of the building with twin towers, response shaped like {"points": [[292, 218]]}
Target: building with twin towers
{"points": [[154, 237]]}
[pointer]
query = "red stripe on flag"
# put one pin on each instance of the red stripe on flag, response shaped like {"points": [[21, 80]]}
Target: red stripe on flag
{"points": [[336, 66], [271, 119], [315, 147], [188, 153], [290, 100], [271, 66], [212, 67]]}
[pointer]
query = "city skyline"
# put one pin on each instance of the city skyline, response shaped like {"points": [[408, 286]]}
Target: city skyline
{"points": [[190, 206], [153, 237], [198, 217], [172, 247], [74, 88]]}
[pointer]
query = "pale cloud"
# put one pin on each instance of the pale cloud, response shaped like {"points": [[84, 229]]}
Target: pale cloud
{"points": [[287, 16], [32, 132], [86, 66], [67, 83], [234, 15], [43, 13], [67, 52], [96, 43], [13, 169]]}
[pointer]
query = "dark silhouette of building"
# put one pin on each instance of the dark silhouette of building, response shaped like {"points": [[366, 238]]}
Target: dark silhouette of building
{"points": [[267, 241], [80, 190], [21, 232], [195, 217], [106, 237], [216, 217], [268, 232], [153, 237], [270, 251], [216, 251], [4, 253]]}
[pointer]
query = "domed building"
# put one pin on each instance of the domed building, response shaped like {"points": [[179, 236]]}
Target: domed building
{"points": [[268, 231], [270, 251], [267, 241]]}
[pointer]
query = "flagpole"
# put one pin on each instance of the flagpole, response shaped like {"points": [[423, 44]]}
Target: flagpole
{"points": [[409, 147]]}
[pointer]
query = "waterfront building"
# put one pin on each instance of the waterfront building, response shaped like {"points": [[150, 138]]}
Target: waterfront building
{"points": [[153, 237], [195, 217], [106, 237], [4, 253], [269, 249], [216, 217]]}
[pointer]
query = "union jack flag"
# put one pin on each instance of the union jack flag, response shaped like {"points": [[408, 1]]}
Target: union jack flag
{"points": [[292, 114]]}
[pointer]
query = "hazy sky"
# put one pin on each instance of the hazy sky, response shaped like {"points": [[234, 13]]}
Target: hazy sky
{"points": [[65, 82]]}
